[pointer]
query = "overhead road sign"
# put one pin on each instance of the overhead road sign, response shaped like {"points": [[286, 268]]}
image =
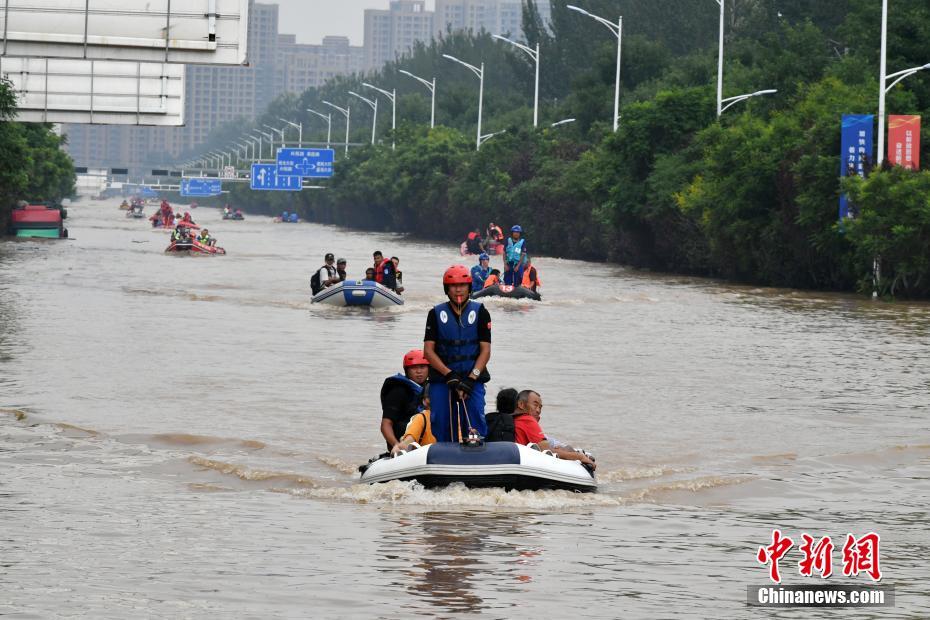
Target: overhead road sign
{"points": [[190, 32], [303, 162], [201, 187], [265, 177], [58, 90]]}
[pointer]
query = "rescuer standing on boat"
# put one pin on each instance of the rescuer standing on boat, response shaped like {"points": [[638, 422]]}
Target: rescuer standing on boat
{"points": [[458, 346]]}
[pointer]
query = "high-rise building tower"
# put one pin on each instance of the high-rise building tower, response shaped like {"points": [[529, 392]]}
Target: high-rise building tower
{"points": [[392, 32], [503, 17]]}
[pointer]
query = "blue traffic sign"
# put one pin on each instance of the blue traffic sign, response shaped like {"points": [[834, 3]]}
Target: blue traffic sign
{"points": [[265, 177], [302, 162], [201, 187]]}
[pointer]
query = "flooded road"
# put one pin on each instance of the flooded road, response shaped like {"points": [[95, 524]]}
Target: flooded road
{"points": [[179, 436]]}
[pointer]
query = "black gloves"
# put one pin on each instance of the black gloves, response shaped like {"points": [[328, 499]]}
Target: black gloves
{"points": [[466, 386], [453, 380]]}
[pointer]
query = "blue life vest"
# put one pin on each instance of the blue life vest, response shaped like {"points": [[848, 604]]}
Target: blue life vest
{"points": [[457, 340], [414, 390], [478, 275], [404, 380], [514, 250]]}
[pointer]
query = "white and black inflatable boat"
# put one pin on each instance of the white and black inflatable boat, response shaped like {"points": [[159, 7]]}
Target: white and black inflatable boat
{"points": [[493, 464], [358, 293], [505, 290]]}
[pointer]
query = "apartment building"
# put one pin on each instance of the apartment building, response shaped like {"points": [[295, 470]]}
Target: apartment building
{"points": [[392, 32], [301, 66], [504, 17]]}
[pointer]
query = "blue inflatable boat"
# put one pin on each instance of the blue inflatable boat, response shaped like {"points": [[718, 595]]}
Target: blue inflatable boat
{"points": [[358, 293]]}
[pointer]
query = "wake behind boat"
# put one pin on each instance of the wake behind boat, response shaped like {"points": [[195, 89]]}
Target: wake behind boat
{"points": [[493, 464], [358, 293]]}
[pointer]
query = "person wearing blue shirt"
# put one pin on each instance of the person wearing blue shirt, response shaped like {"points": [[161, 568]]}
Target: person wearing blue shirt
{"points": [[480, 272], [515, 257]]}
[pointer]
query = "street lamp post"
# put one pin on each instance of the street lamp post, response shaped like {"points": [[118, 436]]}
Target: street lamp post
{"points": [[564, 121], [897, 77], [300, 130], [431, 86], [347, 112], [617, 30], [251, 140], [730, 101], [249, 149], [329, 124], [720, 61], [392, 95], [480, 73], [245, 146], [534, 54], [270, 144], [280, 131], [373, 104]]}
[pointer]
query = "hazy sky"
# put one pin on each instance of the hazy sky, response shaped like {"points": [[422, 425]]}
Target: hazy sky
{"points": [[311, 20]]}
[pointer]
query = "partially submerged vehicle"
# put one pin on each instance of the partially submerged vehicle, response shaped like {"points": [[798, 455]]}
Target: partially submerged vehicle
{"points": [[39, 221]]}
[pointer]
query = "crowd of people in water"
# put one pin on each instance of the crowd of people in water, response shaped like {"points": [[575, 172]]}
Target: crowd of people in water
{"points": [[440, 395], [384, 271]]}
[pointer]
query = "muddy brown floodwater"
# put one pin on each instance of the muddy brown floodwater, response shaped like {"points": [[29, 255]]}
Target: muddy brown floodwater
{"points": [[179, 436]]}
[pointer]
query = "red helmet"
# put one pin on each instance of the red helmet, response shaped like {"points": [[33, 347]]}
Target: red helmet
{"points": [[415, 357], [456, 274]]}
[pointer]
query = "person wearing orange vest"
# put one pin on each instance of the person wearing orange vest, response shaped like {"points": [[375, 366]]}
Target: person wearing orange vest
{"points": [[385, 270], [531, 278], [494, 278]]}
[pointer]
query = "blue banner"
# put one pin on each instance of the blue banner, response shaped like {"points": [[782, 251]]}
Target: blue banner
{"points": [[856, 153]]}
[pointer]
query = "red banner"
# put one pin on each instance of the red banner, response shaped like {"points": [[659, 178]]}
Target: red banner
{"points": [[904, 141]]}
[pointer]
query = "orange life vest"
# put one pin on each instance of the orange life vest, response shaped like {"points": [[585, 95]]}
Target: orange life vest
{"points": [[528, 281], [491, 281]]}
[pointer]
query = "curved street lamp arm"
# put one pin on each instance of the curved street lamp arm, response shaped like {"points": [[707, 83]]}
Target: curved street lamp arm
{"points": [[386, 93], [612, 26], [372, 104], [526, 49], [900, 75], [320, 114], [425, 83], [345, 110], [471, 68]]}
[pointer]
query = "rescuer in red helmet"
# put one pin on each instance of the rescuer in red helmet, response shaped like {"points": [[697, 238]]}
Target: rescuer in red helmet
{"points": [[401, 396], [458, 346]]}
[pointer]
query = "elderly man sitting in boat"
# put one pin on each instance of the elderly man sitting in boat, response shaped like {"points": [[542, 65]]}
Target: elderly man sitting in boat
{"points": [[527, 429]]}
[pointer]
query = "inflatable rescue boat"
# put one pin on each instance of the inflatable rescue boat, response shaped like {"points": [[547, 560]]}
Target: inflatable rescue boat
{"points": [[192, 247], [493, 464], [505, 290], [358, 293]]}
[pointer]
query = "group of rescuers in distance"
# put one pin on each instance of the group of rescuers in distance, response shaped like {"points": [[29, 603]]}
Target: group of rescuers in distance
{"points": [[518, 269], [440, 395]]}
